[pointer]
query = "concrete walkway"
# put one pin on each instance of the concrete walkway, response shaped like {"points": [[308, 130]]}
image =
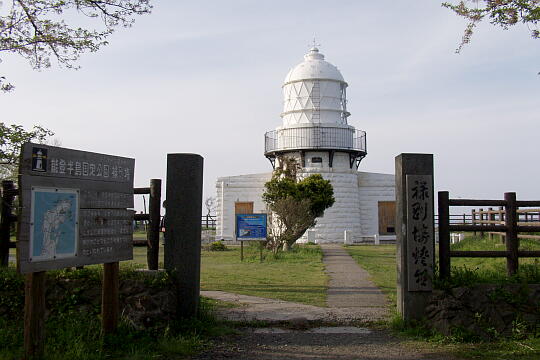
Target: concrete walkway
{"points": [[349, 285], [351, 297]]}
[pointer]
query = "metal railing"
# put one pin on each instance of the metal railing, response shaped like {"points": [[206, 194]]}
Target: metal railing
{"points": [[315, 137]]}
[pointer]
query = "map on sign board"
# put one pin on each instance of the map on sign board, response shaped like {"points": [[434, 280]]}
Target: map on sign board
{"points": [[250, 227], [54, 223]]}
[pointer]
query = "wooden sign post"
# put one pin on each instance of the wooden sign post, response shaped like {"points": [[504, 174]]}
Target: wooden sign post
{"points": [[74, 212]]}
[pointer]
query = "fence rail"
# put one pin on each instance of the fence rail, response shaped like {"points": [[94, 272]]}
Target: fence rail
{"points": [[507, 223], [208, 221]]}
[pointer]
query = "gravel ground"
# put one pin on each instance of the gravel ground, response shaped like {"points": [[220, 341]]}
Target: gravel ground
{"points": [[371, 344]]}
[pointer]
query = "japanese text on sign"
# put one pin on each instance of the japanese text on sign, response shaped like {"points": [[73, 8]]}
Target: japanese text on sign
{"points": [[420, 246], [250, 227]]}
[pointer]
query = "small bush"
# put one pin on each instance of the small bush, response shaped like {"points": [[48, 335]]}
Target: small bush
{"points": [[217, 246]]}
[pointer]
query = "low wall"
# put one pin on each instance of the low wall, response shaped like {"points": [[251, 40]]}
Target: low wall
{"points": [[486, 311]]}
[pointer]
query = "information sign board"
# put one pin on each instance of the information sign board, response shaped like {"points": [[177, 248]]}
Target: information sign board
{"points": [[250, 227], [74, 208]]}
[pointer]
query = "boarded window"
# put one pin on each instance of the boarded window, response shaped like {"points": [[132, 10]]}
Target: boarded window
{"points": [[387, 217], [243, 207]]}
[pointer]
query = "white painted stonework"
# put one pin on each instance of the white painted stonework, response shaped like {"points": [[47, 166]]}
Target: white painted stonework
{"points": [[232, 189], [356, 208], [315, 132]]}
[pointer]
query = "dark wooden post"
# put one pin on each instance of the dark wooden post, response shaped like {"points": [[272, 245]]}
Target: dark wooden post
{"points": [[5, 222], [34, 315], [501, 220], [444, 235], [109, 298], [414, 279], [481, 222], [473, 220], [241, 250], [464, 219], [183, 229], [491, 217], [154, 213], [512, 240]]}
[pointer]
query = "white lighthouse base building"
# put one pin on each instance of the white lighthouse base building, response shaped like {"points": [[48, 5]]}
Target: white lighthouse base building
{"points": [[315, 132], [364, 210]]}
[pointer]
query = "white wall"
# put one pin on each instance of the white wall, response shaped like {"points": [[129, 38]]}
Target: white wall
{"points": [[356, 208], [233, 189], [372, 188]]}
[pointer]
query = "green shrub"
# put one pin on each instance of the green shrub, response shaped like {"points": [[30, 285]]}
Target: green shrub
{"points": [[217, 246]]}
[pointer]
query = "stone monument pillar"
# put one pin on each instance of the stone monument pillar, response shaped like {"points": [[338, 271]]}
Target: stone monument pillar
{"points": [[415, 233]]}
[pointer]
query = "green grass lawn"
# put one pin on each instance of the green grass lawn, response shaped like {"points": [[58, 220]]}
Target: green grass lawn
{"points": [[471, 243], [297, 275]]}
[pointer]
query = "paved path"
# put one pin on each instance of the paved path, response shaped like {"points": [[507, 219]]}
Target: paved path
{"points": [[349, 285], [351, 297]]}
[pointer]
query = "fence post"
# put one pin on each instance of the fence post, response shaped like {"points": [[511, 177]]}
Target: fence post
{"points": [[481, 221], [154, 214], [464, 219], [444, 235], [512, 240], [473, 220], [491, 217], [5, 222], [502, 237]]}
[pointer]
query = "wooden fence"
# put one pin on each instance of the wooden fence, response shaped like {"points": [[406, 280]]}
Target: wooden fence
{"points": [[8, 219], [510, 225], [525, 217]]}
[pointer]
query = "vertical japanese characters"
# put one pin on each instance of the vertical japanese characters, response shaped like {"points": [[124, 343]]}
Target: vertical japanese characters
{"points": [[420, 247]]}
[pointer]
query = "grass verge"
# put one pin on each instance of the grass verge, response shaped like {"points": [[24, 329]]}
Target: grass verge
{"points": [[380, 262], [73, 331], [296, 275]]}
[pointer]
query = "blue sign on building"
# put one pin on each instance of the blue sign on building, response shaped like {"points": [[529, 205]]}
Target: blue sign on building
{"points": [[250, 227]]}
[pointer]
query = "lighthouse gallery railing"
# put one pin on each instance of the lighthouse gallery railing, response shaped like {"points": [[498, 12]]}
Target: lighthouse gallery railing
{"points": [[319, 137]]}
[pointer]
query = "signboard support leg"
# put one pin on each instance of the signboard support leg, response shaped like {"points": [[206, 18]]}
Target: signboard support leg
{"points": [[34, 315], [241, 251], [109, 298], [261, 249]]}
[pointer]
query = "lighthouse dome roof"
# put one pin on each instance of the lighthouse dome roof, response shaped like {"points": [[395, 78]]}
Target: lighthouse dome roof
{"points": [[314, 67]]}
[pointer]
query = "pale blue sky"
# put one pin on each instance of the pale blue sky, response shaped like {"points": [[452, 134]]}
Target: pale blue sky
{"points": [[205, 77]]}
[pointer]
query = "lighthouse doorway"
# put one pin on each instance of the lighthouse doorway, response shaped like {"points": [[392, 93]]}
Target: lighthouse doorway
{"points": [[243, 207], [387, 217]]}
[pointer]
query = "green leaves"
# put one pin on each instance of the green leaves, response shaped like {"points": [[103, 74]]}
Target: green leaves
{"points": [[318, 191], [13, 136], [295, 204], [35, 30]]}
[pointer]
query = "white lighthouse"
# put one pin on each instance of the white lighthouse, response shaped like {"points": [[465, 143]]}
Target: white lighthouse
{"points": [[315, 132]]}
